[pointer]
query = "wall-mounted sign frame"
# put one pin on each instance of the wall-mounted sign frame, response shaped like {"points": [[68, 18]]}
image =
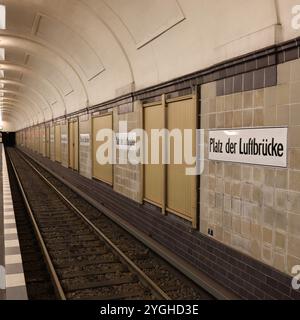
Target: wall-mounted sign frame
{"points": [[263, 146]]}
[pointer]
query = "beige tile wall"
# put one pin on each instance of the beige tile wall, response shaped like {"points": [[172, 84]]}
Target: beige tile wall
{"points": [[52, 143], [255, 209], [64, 146], [85, 152], [128, 178]]}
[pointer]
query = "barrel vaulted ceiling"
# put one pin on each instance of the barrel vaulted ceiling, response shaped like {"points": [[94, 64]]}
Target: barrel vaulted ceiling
{"points": [[60, 56]]}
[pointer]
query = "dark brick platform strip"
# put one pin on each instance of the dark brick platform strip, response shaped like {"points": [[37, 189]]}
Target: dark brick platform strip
{"points": [[248, 278]]}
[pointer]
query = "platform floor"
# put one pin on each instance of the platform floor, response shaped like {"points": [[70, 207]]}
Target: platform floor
{"points": [[12, 280]]}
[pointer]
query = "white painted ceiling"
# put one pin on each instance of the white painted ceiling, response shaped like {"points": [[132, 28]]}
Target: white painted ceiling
{"points": [[64, 55]]}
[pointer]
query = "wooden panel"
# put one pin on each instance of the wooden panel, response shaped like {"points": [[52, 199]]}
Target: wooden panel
{"points": [[101, 172], [57, 143], [153, 173], [76, 146], [181, 197], [73, 145]]}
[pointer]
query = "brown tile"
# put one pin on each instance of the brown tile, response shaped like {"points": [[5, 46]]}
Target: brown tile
{"points": [[229, 85], [221, 87], [271, 76], [259, 79], [248, 81]]}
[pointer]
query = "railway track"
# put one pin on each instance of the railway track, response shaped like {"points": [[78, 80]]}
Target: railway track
{"points": [[88, 255]]}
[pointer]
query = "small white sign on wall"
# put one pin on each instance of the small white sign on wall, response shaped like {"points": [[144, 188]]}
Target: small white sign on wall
{"points": [[84, 139], [266, 147], [64, 138]]}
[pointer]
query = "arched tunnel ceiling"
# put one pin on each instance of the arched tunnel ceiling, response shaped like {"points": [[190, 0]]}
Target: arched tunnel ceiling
{"points": [[64, 55]]}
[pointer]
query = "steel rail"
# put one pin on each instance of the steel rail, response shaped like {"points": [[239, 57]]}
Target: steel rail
{"points": [[54, 277], [158, 292]]}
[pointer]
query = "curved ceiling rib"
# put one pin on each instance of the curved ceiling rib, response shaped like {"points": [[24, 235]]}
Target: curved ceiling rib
{"points": [[19, 103], [10, 40], [21, 84], [114, 35], [13, 92], [4, 65], [11, 114], [11, 105], [7, 107]]}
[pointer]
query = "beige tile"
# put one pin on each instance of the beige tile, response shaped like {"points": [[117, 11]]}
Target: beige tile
{"points": [[267, 235], [248, 118], [220, 120], [294, 183], [247, 191], [228, 119], [270, 116], [258, 175], [270, 97], [212, 105], [293, 246], [269, 177], [238, 101], [246, 228], [279, 262], [212, 121], [294, 225], [248, 99], [295, 69], [220, 169], [295, 114], [247, 173], [281, 198], [280, 240], [281, 180], [283, 115], [228, 102], [267, 254], [257, 195], [283, 73], [294, 202], [269, 217], [236, 189], [294, 134], [259, 97], [292, 261], [281, 221], [282, 94], [237, 119], [258, 120], [236, 172], [295, 92], [255, 249], [236, 224], [256, 232], [220, 104]]}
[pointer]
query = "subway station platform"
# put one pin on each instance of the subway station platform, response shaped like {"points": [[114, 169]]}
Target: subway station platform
{"points": [[12, 280], [213, 261]]}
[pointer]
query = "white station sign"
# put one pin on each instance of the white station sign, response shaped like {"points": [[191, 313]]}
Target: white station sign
{"points": [[266, 147]]}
